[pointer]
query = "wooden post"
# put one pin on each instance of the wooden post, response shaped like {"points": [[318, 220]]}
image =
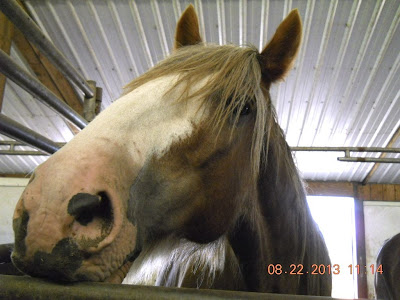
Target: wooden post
{"points": [[48, 75], [360, 242], [6, 35]]}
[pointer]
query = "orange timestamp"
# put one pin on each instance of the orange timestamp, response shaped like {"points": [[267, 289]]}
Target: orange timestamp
{"points": [[299, 269]]}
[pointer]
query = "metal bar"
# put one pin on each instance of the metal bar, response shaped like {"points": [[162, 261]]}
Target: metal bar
{"points": [[17, 143], [12, 151], [21, 133], [21, 287], [13, 71], [322, 149], [370, 160], [344, 149], [33, 33], [22, 152]]}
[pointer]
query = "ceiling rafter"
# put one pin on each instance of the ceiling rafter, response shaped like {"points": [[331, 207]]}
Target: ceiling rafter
{"points": [[390, 144]]}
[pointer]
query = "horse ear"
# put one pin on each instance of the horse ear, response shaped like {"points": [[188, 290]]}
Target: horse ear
{"points": [[187, 31], [279, 54]]}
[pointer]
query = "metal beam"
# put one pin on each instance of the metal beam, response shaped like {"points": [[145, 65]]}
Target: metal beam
{"points": [[21, 287], [21, 133], [12, 149], [13, 71], [33, 33], [344, 149], [348, 150], [370, 160]]}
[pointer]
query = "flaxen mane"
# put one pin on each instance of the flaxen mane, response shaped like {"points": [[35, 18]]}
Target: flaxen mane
{"points": [[235, 81]]}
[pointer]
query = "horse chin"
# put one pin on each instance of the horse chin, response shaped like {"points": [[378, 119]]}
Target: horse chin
{"points": [[118, 276]]}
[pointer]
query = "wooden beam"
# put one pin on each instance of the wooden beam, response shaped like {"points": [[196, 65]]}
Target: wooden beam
{"points": [[389, 192], [54, 80], [376, 191], [368, 192], [390, 144], [322, 188], [48, 75], [360, 243], [364, 192], [6, 35]]}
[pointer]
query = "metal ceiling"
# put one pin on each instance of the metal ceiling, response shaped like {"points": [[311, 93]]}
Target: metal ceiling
{"points": [[344, 89]]}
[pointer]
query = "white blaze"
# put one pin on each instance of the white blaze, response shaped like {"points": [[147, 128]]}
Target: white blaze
{"points": [[143, 122]]}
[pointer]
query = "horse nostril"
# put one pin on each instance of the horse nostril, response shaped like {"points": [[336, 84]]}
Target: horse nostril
{"points": [[85, 207]]}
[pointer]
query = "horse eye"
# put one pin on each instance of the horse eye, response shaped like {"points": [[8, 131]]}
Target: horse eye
{"points": [[245, 110]]}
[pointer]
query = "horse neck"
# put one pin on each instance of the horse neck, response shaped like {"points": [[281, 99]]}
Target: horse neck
{"points": [[293, 236], [283, 203], [279, 228]]}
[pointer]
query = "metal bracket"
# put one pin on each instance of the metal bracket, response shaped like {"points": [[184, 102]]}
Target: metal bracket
{"points": [[91, 105]]}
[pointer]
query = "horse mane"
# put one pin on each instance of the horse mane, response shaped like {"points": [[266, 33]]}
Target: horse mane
{"points": [[234, 80], [284, 206]]}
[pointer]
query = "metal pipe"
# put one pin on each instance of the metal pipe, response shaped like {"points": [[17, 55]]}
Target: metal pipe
{"points": [[13, 151], [13, 71], [344, 149], [370, 160], [21, 133], [33, 33], [21, 287]]}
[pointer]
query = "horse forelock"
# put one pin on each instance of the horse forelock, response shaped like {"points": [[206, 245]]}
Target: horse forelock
{"points": [[233, 81]]}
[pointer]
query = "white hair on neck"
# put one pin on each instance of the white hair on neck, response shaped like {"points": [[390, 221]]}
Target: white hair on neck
{"points": [[172, 260]]}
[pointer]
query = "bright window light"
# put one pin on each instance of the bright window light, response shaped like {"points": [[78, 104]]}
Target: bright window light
{"points": [[335, 218]]}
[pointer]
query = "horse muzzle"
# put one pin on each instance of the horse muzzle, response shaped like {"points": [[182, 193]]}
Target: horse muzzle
{"points": [[71, 228]]}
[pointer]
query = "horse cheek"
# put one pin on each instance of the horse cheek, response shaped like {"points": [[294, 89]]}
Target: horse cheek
{"points": [[216, 206]]}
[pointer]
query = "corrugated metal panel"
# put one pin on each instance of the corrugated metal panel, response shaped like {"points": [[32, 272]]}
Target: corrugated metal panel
{"points": [[343, 91]]}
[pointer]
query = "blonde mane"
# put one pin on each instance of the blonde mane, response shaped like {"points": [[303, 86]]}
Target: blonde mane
{"points": [[235, 81]]}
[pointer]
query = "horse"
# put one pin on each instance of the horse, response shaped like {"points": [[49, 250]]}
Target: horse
{"points": [[184, 181], [387, 282]]}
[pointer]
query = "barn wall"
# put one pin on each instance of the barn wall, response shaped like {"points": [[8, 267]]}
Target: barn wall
{"points": [[382, 221], [377, 219], [10, 191]]}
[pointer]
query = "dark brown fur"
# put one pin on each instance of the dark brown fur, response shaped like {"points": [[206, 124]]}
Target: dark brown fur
{"points": [[387, 283]]}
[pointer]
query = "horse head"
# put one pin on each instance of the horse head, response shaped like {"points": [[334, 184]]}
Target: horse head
{"points": [[178, 154]]}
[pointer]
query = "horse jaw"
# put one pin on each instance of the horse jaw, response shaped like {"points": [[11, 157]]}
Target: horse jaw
{"points": [[102, 160]]}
